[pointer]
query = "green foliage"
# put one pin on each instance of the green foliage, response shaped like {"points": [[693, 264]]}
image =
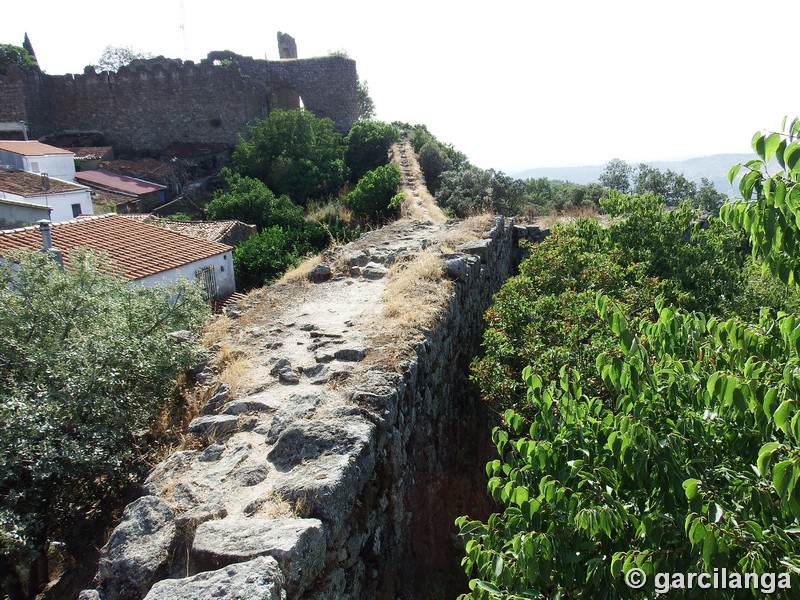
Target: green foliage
{"points": [[770, 204], [114, 57], [708, 199], [373, 193], [268, 254], [433, 161], [617, 176], [367, 146], [250, 200], [700, 268], [545, 317], [86, 364], [15, 55], [366, 106], [694, 466], [671, 186], [465, 192], [294, 153], [680, 453]]}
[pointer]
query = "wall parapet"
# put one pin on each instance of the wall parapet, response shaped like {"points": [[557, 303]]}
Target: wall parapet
{"points": [[152, 103]]}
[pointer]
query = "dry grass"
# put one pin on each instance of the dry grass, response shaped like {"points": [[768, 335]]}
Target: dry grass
{"points": [[422, 206], [234, 369], [413, 299], [473, 228], [276, 506], [571, 214], [299, 274]]}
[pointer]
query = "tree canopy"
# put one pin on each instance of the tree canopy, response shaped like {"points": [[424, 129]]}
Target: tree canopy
{"points": [[294, 153], [114, 57], [15, 55]]}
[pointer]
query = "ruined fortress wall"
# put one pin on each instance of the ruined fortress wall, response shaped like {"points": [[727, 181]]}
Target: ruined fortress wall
{"points": [[152, 103], [14, 88], [381, 472]]}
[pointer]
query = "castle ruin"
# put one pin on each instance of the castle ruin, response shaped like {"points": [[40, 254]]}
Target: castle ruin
{"points": [[152, 103]]}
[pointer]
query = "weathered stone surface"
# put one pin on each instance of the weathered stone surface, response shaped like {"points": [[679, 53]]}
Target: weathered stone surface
{"points": [[89, 595], [320, 273], [284, 371], [297, 544], [138, 552], [324, 463], [351, 354], [213, 425], [253, 404], [374, 271], [257, 579], [220, 397], [456, 267]]}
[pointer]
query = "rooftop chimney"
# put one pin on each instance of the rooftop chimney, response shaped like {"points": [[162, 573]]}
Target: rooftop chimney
{"points": [[47, 242]]}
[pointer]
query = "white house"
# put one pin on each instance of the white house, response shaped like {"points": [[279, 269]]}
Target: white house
{"points": [[141, 253], [36, 157], [64, 199]]}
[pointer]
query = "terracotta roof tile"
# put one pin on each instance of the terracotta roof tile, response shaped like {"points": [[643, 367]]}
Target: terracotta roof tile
{"points": [[117, 183], [31, 148], [212, 231], [27, 184], [136, 249], [89, 152]]}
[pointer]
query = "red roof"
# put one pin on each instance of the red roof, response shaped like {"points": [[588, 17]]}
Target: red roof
{"points": [[31, 148], [27, 184], [117, 183], [136, 249]]}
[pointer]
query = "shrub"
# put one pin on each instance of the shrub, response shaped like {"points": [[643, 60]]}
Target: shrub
{"points": [[373, 193], [86, 363], [250, 200], [367, 147]]}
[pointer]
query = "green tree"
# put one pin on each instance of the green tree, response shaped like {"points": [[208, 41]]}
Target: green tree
{"points": [[770, 204], [366, 106], [708, 199], [15, 55], [86, 364], [465, 191], [250, 200], [367, 146], [294, 153], [434, 162], [373, 193], [617, 175], [671, 186], [114, 57]]}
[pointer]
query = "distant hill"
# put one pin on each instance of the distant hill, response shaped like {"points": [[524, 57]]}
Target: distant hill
{"points": [[715, 168]]}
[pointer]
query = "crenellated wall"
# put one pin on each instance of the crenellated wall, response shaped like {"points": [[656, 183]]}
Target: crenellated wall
{"points": [[151, 103]]}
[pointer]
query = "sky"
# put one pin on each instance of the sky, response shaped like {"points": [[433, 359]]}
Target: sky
{"points": [[512, 84]]}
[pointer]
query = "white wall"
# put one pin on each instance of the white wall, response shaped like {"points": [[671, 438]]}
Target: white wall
{"points": [[58, 166], [223, 268], [61, 203]]}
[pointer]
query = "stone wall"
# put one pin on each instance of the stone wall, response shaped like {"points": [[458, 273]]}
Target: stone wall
{"points": [[377, 464], [150, 104]]}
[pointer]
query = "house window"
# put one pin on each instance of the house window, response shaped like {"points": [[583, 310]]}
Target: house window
{"points": [[35, 167], [76, 210]]}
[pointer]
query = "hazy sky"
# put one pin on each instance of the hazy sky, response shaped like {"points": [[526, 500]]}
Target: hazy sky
{"points": [[513, 85]]}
